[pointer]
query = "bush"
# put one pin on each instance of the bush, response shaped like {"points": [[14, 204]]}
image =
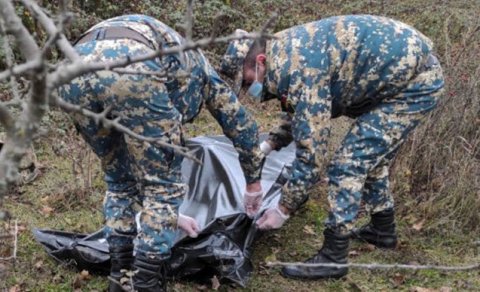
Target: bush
{"points": [[444, 154]]}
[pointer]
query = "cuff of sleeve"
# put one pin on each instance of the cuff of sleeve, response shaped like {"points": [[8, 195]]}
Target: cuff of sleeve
{"points": [[281, 214], [292, 200], [254, 172]]}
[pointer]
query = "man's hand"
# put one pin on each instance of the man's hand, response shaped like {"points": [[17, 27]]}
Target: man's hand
{"points": [[273, 218], [252, 200], [188, 224]]}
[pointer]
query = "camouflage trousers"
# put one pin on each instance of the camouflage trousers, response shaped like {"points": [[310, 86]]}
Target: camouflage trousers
{"points": [[142, 177], [359, 169]]}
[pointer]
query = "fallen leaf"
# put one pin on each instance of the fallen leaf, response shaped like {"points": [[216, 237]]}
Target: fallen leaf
{"points": [[353, 253], [419, 225], [201, 287], [293, 253], [58, 278], [215, 282], [47, 210], [308, 229], [354, 286], [370, 247], [80, 279], [15, 288], [397, 280], [38, 265], [270, 258], [77, 283], [445, 289], [84, 275]]}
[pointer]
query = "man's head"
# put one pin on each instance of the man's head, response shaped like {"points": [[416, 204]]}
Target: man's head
{"points": [[244, 61]]}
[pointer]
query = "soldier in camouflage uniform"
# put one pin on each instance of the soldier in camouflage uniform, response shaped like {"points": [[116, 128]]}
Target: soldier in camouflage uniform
{"points": [[142, 177], [380, 72]]}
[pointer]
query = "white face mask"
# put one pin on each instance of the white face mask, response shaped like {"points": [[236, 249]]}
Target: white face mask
{"points": [[256, 88]]}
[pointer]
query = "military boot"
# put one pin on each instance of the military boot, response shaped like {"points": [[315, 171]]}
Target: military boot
{"points": [[334, 251], [121, 258], [150, 273], [380, 231]]}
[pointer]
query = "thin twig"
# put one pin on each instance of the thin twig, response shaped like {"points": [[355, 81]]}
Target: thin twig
{"points": [[374, 266], [150, 73], [217, 23], [51, 29], [268, 23], [102, 118], [15, 245], [66, 73], [21, 69]]}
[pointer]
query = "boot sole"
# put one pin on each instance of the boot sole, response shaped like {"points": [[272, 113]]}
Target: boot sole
{"points": [[378, 245]]}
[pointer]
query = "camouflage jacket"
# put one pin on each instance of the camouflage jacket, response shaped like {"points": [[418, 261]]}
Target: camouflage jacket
{"points": [[193, 82], [341, 65]]}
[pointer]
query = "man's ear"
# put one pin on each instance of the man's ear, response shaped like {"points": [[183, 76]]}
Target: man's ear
{"points": [[261, 58]]}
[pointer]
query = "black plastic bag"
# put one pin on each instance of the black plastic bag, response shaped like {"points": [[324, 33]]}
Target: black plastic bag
{"points": [[215, 199]]}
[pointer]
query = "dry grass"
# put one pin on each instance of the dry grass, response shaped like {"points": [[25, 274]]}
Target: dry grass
{"points": [[443, 157]]}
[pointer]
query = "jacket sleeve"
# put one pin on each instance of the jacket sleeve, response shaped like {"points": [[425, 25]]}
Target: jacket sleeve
{"points": [[237, 124], [310, 128]]}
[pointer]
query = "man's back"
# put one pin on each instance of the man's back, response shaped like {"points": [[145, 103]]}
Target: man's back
{"points": [[355, 57]]}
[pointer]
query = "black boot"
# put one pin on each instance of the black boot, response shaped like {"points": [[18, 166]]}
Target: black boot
{"points": [[149, 273], [334, 251], [380, 231], [121, 258]]}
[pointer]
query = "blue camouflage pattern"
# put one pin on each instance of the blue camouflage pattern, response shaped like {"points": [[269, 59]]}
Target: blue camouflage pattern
{"points": [[144, 178], [377, 70], [233, 59]]}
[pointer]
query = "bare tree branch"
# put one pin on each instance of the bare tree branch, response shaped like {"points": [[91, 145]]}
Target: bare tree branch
{"points": [[15, 244], [269, 23], [102, 118], [51, 29], [14, 26], [21, 69], [374, 266], [44, 79], [150, 73], [21, 132], [68, 72]]}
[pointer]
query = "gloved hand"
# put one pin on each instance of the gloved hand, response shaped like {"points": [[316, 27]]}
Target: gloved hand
{"points": [[252, 202], [273, 218], [188, 224], [266, 147]]}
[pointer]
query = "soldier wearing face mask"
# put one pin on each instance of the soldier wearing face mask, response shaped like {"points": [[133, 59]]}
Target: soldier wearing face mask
{"points": [[378, 71]]}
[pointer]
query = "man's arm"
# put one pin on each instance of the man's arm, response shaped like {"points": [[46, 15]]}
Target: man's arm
{"points": [[310, 130], [238, 125]]}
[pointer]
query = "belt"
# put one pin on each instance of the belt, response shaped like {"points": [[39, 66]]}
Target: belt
{"points": [[112, 33]]}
